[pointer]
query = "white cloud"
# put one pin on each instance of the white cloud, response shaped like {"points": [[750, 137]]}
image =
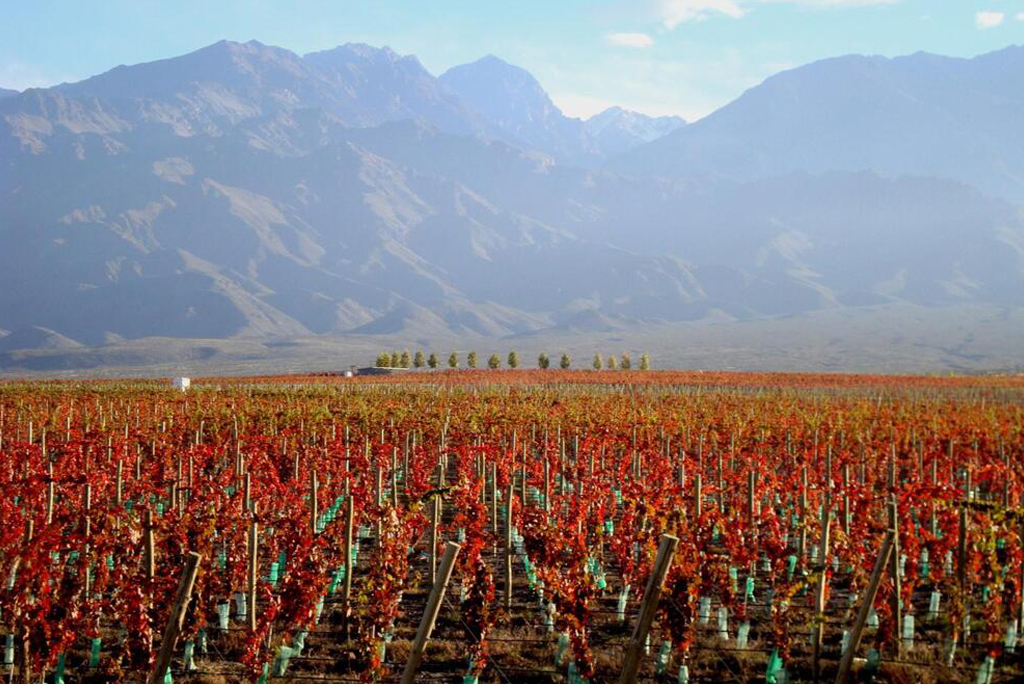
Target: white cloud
{"points": [[1020, 17], [987, 20], [633, 40], [675, 12]]}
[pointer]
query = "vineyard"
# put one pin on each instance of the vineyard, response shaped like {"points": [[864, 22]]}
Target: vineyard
{"points": [[514, 526]]}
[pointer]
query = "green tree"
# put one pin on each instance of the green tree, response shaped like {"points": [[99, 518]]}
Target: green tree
{"points": [[405, 359], [611, 363], [625, 363], [383, 360], [453, 360], [543, 361], [432, 360], [645, 362], [418, 360], [396, 360], [471, 359], [513, 360], [494, 361], [597, 362], [565, 362]]}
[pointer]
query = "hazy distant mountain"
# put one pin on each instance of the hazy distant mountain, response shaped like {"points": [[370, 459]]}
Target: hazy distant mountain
{"points": [[36, 338], [511, 98], [4, 92], [922, 114], [384, 86], [244, 191], [617, 130]]}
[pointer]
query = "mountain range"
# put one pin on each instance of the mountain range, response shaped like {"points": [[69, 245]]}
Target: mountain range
{"points": [[245, 191]]}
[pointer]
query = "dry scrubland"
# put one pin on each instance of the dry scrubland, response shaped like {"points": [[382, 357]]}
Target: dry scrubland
{"points": [[320, 508]]}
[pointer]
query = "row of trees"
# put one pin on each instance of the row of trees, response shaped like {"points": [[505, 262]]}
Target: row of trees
{"points": [[419, 360]]}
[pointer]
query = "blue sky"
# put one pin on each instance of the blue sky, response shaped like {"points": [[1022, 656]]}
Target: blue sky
{"points": [[684, 57]]}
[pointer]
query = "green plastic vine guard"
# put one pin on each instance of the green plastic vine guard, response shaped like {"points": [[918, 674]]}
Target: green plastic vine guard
{"points": [[874, 660], [985, 671], [742, 634], [339, 574], [563, 644], [240, 606], [704, 609], [94, 652], [188, 657], [620, 608], [684, 675], [663, 654], [771, 675], [284, 654], [9, 649], [58, 673], [222, 616]]}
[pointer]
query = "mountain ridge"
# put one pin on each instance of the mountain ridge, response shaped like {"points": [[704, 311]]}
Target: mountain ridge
{"points": [[247, 192], [919, 114]]}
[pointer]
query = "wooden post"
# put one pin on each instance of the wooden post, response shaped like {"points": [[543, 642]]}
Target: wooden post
{"points": [[380, 503], [119, 496], [698, 496], [961, 569], [51, 491], [394, 478], [846, 499], [802, 550], [437, 591], [150, 556], [494, 498], [508, 543], [522, 483], [1020, 579], [254, 548], [177, 618], [897, 579], [87, 504], [652, 594], [865, 608], [350, 514], [751, 481], [720, 484], [547, 484], [434, 522], [314, 490], [819, 598]]}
